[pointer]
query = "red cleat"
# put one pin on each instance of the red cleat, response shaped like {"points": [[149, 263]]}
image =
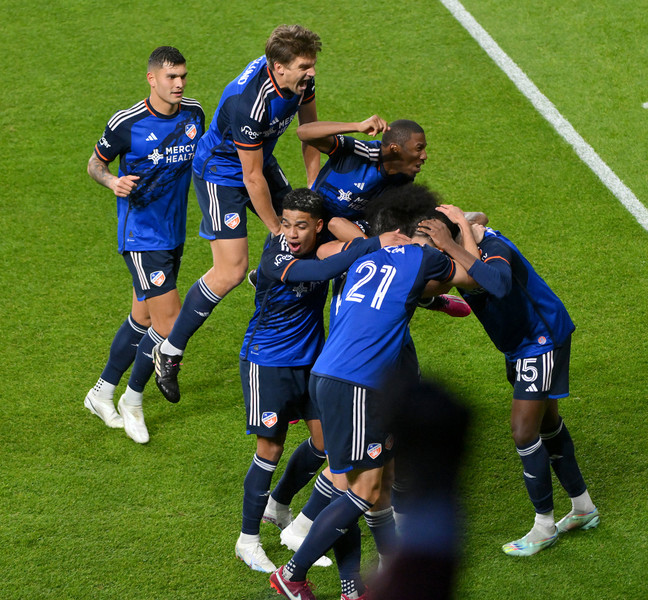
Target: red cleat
{"points": [[293, 590]]}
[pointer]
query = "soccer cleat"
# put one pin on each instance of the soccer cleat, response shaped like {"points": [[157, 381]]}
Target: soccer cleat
{"points": [[254, 556], [364, 596], [293, 540], [576, 520], [523, 547], [167, 367], [104, 409], [134, 424], [293, 590], [252, 278], [451, 305], [277, 515]]}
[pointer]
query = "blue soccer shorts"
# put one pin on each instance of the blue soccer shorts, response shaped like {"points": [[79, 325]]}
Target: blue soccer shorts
{"points": [[354, 432], [154, 272], [224, 207], [543, 376], [274, 396]]}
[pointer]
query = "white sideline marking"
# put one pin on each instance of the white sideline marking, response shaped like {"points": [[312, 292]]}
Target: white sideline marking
{"points": [[545, 107]]}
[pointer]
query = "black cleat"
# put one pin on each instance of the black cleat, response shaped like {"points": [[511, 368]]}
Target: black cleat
{"points": [[167, 367]]}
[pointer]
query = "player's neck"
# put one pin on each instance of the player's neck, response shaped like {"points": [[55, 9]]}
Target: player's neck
{"points": [[162, 107]]}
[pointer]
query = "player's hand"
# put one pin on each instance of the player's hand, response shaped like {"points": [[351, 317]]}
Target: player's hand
{"points": [[393, 238], [454, 213], [438, 231], [478, 232], [122, 186], [373, 125]]}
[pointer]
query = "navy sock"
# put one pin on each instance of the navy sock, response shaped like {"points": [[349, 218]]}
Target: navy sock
{"points": [[383, 528], [319, 499], [330, 524], [560, 447], [303, 464], [255, 493], [123, 350], [143, 366], [537, 475], [196, 308], [347, 549]]}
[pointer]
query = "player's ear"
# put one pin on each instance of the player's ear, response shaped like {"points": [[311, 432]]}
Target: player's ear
{"points": [[150, 77], [319, 226]]}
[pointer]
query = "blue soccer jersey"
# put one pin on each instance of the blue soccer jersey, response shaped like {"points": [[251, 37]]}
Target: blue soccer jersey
{"points": [[158, 149], [519, 311], [252, 113], [353, 175], [287, 328], [370, 316]]}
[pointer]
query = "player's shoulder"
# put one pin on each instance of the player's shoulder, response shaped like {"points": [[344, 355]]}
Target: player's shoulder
{"points": [[128, 115], [192, 105]]}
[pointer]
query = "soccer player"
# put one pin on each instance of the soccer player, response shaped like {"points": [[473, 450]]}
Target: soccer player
{"points": [[284, 336], [531, 326], [155, 141], [369, 322], [234, 167], [357, 172]]}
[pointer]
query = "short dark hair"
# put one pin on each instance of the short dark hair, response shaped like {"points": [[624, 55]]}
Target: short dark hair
{"points": [[400, 131], [304, 200], [287, 42], [165, 55], [404, 207]]}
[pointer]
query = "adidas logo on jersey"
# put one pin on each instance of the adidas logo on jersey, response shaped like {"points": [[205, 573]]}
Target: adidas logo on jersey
{"points": [[151, 137], [531, 388], [360, 185]]}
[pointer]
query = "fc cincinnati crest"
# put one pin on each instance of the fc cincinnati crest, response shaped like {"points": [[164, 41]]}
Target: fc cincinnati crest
{"points": [[269, 418], [374, 450], [542, 340], [191, 131], [158, 278], [232, 220]]}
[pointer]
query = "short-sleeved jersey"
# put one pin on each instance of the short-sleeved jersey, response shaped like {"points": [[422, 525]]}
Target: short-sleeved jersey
{"points": [[287, 328], [352, 176], [370, 317], [529, 319], [252, 113], [158, 149]]}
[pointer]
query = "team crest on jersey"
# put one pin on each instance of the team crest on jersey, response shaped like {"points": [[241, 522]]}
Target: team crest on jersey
{"points": [[269, 419], [191, 131], [232, 220], [374, 450], [542, 340], [158, 278]]}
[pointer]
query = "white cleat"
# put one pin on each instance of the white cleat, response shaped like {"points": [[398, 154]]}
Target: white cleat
{"points": [[134, 424], [293, 540], [104, 409], [254, 557]]}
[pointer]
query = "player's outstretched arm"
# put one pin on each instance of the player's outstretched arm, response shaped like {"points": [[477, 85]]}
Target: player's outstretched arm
{"points": [[344, 230], [257, 187], [308, 114], [320, 134], [121, 186]]}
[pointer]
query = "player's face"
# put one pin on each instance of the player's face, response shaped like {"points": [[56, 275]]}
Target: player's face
{"points": [[300, 229], [167, 87], [296, 75], [413, 155]]}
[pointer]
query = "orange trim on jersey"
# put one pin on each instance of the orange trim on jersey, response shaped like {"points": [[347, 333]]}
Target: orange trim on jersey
{"points": [[307, 100], [292, 262], [336, 145], [452, 272], [500, 257], [248, 146], [101, 156], [149, 108]]}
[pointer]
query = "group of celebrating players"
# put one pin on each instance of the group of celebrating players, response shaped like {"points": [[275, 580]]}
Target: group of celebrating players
{"points": [[388, 244]]}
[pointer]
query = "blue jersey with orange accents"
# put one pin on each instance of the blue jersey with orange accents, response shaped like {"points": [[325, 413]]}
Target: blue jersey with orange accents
{"points": [[370, 316], [519, 311], [287, 328], [352, 176], [158, 149], [252, 113]]}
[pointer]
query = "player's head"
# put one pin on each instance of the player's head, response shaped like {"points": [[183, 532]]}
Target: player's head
{"points": [[302, 220], [291, 52], [404, 207], [403, 147], [167, 76]]}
